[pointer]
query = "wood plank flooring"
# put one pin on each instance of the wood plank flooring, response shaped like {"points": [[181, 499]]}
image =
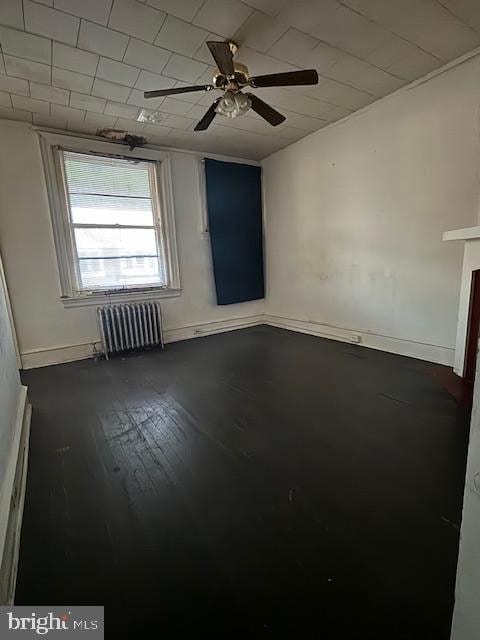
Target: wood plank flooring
{"points": [[257, 483]]}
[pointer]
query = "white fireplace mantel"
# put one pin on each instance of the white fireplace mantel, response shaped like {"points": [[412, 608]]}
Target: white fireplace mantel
{"points": [[469, 233], [471, 262]]}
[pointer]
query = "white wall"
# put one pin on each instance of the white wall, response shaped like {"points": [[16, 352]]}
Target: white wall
{"points": [[355, 215], [10, 396], [466, 616], [47, 332]]}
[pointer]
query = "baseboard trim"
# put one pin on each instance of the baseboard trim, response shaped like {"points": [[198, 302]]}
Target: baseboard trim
{"points": [[400, 346], [58, 355], [13, 500], [210, 328], [36, 358]]}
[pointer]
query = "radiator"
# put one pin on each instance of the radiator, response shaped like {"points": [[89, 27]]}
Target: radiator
{"points": [[130, 326]]}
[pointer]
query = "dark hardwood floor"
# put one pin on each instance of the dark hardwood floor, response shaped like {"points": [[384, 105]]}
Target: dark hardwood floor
{"points": [[254, 483]]}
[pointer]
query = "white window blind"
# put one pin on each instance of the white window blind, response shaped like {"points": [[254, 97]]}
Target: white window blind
{"points": [[115, 222]]}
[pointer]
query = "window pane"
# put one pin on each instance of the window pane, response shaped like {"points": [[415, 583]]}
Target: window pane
{"points": [[106, 176], [115, 273], [115, 258], [94, 242], [87, 209]]}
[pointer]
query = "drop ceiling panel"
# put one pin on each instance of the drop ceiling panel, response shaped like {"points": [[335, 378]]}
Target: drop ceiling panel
{"points": [[84, 64]]}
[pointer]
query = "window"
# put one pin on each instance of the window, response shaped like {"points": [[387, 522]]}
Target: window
{"points": [[112, 221], [116, 232]]}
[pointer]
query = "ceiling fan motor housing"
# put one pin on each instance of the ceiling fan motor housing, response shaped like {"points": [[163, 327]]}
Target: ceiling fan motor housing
{"points": [[240, 77]]}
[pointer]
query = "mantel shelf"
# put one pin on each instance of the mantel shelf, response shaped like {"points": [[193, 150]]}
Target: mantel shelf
{"points": [[469, 233]]}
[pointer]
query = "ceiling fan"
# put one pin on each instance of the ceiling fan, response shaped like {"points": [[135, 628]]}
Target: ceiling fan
{"points": [[231, 78]]}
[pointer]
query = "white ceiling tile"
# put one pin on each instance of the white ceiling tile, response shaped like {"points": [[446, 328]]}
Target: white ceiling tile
{"points": [[175, 107], [341, 94], [17, 114], [308, 14], [180, 36], [425, 23], [365, 77], [67, 113], [94, 10], [178, 122], [435, 29], [5, 100], [50, 22], [271, 7], [100, 40], [403, 59], [117, 72], [11, 13], [157, 129], [184, 9], [324, 57], [99, 120], [385, 13], [104, 89], [70, 80], [146, 56], [292, 133], [304, 122], [334, 113], [49, 93], [196, 111], [260, 31], [86, 102], [183, 68], [157, 134], [222, 16], [350, 32], [14, 85], [29, 104], [294, 47], [467, 10], [27, 69], [136, 98], [74, 59], [148, 81], [130, 125], [121, 110], [25, 45], [46, 121], [136, 19]]}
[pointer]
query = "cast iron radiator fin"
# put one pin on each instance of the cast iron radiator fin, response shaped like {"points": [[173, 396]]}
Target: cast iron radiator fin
{"points": [[124, 327]]}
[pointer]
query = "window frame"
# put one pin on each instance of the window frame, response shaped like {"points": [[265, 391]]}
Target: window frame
{"points": [[51, 145]]}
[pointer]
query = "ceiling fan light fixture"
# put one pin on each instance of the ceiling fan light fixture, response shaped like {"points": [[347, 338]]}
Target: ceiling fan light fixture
{"points": [[233, 104]]}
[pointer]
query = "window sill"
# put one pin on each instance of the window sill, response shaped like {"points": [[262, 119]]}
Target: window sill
{"points": [[89, 300]]}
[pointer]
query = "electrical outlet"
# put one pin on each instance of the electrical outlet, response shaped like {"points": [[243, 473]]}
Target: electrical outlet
{"points": [[355, 338]]}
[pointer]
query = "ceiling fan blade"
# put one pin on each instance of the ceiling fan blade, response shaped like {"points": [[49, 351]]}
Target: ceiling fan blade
{"points": [[222, 55], [288, 79], [206, 121], [267, 112], [174, 90]]}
